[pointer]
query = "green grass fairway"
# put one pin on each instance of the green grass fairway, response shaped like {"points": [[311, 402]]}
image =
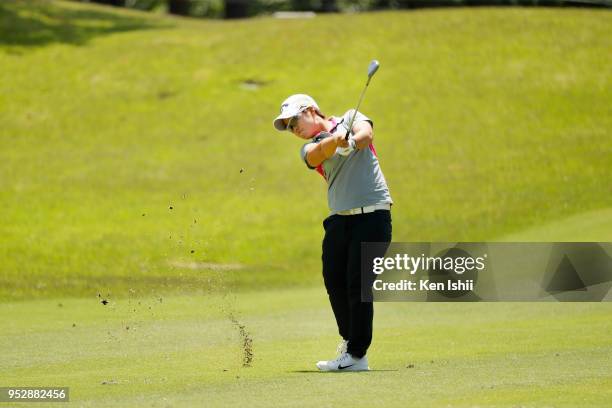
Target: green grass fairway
{"points": [[591, 226], [138, 162], [184, 351]]}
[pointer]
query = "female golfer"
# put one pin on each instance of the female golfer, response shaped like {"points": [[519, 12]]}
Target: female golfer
{"points": [[360, 205]]}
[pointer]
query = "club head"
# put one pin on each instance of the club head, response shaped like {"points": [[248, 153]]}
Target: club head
{"points": [[372, 68]]}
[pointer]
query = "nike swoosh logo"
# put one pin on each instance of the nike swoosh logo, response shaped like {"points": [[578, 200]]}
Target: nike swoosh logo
{"points": [[342, 368]]}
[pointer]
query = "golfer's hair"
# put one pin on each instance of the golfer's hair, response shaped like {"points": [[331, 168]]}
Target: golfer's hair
{"points": [[320, 114]]}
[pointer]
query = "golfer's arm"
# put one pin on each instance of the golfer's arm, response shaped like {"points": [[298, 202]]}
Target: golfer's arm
{"points": [[363, 134], [319, 152]]}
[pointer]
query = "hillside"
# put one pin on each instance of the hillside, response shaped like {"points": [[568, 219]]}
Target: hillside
{"points": [[138, 151]]}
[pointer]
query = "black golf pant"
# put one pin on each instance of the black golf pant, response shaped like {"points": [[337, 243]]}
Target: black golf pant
{"points": [[342, 272]]}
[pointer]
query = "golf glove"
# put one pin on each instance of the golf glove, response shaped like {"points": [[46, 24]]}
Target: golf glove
{"points": [[345, 151]]}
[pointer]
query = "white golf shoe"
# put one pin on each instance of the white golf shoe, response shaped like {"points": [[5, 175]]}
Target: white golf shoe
{"points": [[345, 362]]}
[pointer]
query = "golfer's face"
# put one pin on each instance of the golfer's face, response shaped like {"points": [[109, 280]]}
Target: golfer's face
{"points": [[303, 125]]}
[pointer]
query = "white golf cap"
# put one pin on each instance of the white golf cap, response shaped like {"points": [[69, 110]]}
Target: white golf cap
{"points": [[292, 106]]}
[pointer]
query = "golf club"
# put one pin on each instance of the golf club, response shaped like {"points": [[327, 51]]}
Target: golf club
{"points": [[372, 68]]}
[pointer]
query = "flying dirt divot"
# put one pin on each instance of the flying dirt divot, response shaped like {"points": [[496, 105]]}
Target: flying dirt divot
{"points": [[246, 341], [217, 284], [227, 308]]}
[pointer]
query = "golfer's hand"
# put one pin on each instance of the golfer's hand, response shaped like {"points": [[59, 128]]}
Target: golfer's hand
{"points": [[340, 139], [346, 147]]}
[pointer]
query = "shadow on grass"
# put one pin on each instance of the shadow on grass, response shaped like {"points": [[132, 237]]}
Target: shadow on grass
{"points": [[335, 372], [38, 287], [167, 282], [33, 23]]}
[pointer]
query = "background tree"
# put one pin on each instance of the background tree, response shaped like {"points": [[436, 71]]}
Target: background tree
{"points": [[179, 7], [329, 6], [117, 3], [236, 8]]}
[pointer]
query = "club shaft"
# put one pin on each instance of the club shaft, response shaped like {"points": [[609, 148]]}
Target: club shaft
{"points": [[350, 126]]}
